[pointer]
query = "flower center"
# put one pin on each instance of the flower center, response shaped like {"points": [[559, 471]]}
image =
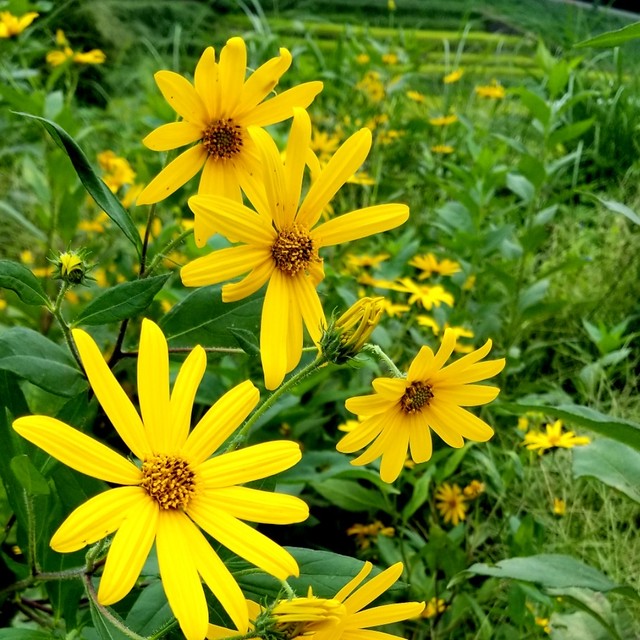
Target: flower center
{"points": [[222, 139], [169, 481], [416, 396], [293, 250]]}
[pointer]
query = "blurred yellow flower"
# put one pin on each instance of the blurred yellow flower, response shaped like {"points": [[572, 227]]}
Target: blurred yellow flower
{"points": [[388, 136], [11, 25], [372, 86], [390, 58], [324, 144], [434, 607], [429, 264], [559, 506], [365, 260], [428, 321], [544, 623], [394, 310], [366, 533], [362, 58], [451, 503], [552, 438], [428, 296], [452, 77], [443, 149], [348, 425], [493, 91], [443, 121], [469, 283], [97, 225], [117, 172], [416, 96], [474, 489], [57, 57]]}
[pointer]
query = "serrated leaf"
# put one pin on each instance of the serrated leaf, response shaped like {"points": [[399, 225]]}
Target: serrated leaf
{"points": [[29, 477], [94, 185], [612, 38], [18, 278], [123, 301]]}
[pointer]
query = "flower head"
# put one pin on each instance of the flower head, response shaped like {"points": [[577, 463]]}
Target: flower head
{"points": [[281, 242], [473, 490], [400, 414], [365, 533], [65, 53], [442, 149], [443, 121], [429, 264], [494, 91], [451, 503], [71, 266], [176, 489], [216, 112], [11, 25], [559, 507], [452, 77], [552, 438]]}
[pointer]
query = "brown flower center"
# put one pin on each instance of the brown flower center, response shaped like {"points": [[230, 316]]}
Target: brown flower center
{"points": [[417, 395], [169, 481], [222, 139], [293, 250]]}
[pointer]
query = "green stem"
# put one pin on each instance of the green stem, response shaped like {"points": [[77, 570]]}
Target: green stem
{"points": [[31, 533], [273, 398], [379, 353], [145, 242], [163, 253], [45, 576], [287, 589]]}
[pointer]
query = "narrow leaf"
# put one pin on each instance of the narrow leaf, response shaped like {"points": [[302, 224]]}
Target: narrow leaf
{"points": [[618, 207], [612, 38], [18, 278]]}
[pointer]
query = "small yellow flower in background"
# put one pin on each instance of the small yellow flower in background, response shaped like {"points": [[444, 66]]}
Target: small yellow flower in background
{"points": [[95, 226], [361, 178], [177, 490], [324, 144], [394, 310], [461, 332], [443, 121], [443, 149], [494, 91], [559, 507], [11, 25], [544, 623], [428, 321], [3, 304], [391, 5], [429, 265], [473, 490], [363, 58], [220, 111], [452, 77], [390, 58], [451, 503], [428, 296], [552, 438], [388, 136], [523, 423], [26, 256], [65, 53], [366, 261], [469, 283], [366, 533], [416, 96], [401, 413], [372, 86], [434, 607], [280, 242], [117, 172]]}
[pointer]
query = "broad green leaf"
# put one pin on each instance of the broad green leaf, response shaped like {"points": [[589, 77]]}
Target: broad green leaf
{"points": [[348, 495], [619, 429], [612, 38], [94, 185], [533, 295], [18, 278], [28, 476], [122, 301], [31, 356], [617, 207], [611, 462], [151, 611], [569, 132], [522, 187], [537, 105], [10, 447]]}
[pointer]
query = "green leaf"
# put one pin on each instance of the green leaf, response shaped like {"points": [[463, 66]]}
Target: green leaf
{"points": [[522, 187], [619, 429], [348, 495], [151, 611], [613, 463], [569, 132], [419, 495], [537, 106], [617, 207], [31, 356], [22, 221], [94, 185], [28, 476], [247, 340], [25, 634], [612, 38], [18, 278], [122, 301], [105, 630]]}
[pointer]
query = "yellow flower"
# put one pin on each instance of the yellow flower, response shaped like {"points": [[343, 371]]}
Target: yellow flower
{"points": [[56, 58], [217, 112], [434, 607], [365, 260], [443, 149], [11, 25], [452, 77], [553, 438], [427, 296], [117, 171], [469, 283], [281, 241], [390, 58], [324, 144], [429, 264], [416, 96], [365, 533], [26, 256], [559, 506], [3, 304], [451, 503], [388, 136], [372, 85], [177, 489], [394, 310], [443, 121], [402, 411], [95, 56], [493, 91], [473, 489], [544, 623], [362, 58], [428, 321]]}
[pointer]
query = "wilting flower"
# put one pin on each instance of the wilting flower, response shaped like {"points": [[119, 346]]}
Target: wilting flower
{"points": [[177, 489], [400, 414], [217, 111], [452, 77], [281, 241], [493, 91], [11, 25], [552, 438], [451, 503]]}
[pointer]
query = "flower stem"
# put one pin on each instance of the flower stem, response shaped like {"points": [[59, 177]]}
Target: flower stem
{"points": [[379, 353], [66, 330], [163, 253]]}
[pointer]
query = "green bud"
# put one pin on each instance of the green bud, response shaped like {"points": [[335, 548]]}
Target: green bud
{"points": [[71, 267]]}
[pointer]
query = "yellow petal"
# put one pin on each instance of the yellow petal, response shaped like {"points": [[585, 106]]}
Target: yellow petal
{"points": [[128, 551], [440, 421], [309, 304], [153, 386], [390, 388], [220, 421], [262, 81], [77, 450], [462, 421], [369, 405], [294, 337], [378, 447], [173, 135], [250, 170], [363, 434], [96, 518], [219, 178], [295, 160], [182, 97], [397, 447], [344, 163], [111, 395], [375, 587], [174, 175], [360, 224], [274, 328], [420, 440], [183, 395], [255, 505], [354, 582], [251, 463], [281, 107], [256, 279], [385, 614], [232, 71], [467, 395], [244, 541], [207, 83], [424, 366], [179, 573]]}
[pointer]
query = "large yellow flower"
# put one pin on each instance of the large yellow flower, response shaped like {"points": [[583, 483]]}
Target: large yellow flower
{"points": [[281, 241], [216, 111], [401, 413], [176, 488]]}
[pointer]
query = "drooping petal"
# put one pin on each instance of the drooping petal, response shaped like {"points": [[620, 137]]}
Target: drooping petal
{"points": [[183, 396], [174, 175], [295, 160], [179, 573], [206, 83], [369, 405], [222, 265], [182, 97], [129, 550], [309, 305], [344, 163], [172, 136], [273, 329], [111, 395], [281, 107], [360, 224], [153, 386], [251, 463], [256, 279], [220, 421], [372, 589], [96, 518], [77, 450], [384, 614], [363, 434], [244, 541], [232, 70]]}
